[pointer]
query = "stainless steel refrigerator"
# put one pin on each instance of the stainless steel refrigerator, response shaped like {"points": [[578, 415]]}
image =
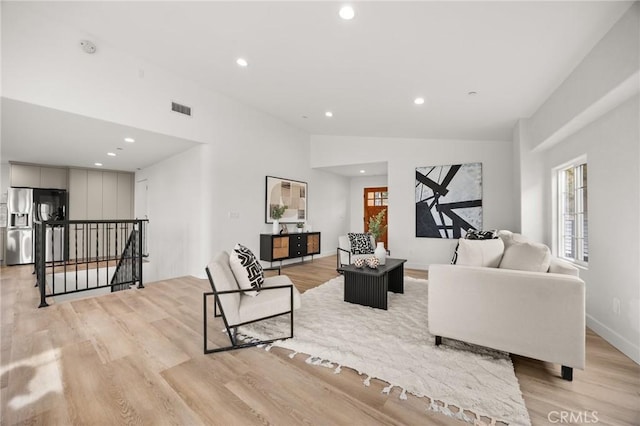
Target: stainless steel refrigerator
{"points": [[19, 226]]}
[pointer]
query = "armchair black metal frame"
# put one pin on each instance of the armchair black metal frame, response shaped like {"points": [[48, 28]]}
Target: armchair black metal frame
{"points": [[232, 329], [340, 264]]}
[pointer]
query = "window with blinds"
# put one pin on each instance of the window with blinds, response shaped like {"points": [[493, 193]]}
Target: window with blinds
{"points": [[572, 215]]}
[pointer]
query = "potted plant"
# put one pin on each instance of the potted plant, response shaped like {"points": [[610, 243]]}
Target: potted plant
{"points": [[277, 211], [300, 226], [376, 228]]}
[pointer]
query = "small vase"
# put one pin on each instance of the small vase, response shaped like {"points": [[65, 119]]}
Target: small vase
{"points": [[276, 227], [380, 253]]}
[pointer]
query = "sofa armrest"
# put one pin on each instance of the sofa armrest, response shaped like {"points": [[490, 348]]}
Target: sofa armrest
{"points": [[535, 314], [559, 266]]}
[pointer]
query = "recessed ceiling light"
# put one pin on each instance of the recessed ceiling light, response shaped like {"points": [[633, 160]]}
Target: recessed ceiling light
{"points": [[97, 164], [472, 93], [328, 114], [242, 62], [130, 140], [111, 154], [418, 101], [347, 13], [362, 171]]}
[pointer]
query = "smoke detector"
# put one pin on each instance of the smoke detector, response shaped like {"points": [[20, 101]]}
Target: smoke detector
{"points": [[88, 46]]}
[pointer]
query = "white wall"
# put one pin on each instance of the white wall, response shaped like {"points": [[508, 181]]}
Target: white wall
{"points": [[595, 112], [612, 146], [531, 191], [611, 62], [356, 205], [402, 157], [190, 197], [191, 194], [43, 64]]}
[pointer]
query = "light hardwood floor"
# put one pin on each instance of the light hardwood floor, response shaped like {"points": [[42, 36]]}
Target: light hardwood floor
{"points": [[135, 357]]}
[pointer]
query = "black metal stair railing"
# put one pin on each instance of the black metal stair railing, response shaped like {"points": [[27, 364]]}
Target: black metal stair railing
{"points": [[128, 268], [80, 255]]}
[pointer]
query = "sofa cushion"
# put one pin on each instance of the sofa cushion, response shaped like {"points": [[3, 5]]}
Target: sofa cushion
{"points": [[360, 243], [247, 270], [474, 234], [480, 252], [509, 238], [269, 302], [527, 256]]}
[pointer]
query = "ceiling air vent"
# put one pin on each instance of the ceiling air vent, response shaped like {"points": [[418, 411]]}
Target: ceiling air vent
{"points": [[182, 109]]}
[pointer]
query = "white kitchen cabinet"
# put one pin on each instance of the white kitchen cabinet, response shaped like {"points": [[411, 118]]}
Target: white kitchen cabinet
{"points": [[25, 175], [94, 195], [110, 195], [125, 196], [33, 176], [53, 177], [78, 182]]}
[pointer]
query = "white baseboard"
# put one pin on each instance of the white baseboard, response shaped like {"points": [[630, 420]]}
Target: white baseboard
{"points": [[325, 254], [622, 344]]}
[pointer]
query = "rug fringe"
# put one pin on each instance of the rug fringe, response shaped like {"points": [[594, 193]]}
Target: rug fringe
{"points": [[433, 405], [460, 414]]}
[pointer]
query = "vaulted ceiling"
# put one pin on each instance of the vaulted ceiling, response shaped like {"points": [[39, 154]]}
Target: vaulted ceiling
{"points": [[304, 60]]}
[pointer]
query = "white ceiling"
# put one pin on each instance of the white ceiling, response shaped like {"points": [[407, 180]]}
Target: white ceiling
{"points": [[353, 170], [305, 60], [41, 135]]}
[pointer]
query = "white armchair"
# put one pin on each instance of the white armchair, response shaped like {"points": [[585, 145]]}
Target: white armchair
{"points": [[344, 254], [277, 296]]}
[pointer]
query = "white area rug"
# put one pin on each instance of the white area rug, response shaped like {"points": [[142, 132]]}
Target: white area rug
{"points": [[395, 346]]}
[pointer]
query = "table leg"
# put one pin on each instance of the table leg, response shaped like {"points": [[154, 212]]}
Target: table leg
{"points": [[396, 279]]}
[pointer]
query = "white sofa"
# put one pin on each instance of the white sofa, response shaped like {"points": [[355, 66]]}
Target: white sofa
{"points": [[539, 315]]}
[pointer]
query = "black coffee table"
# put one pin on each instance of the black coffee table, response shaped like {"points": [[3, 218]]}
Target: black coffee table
{"points": [[368, 287]]}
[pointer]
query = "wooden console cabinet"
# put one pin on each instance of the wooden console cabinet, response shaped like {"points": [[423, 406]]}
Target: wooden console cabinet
{"points": [[289, 246]]}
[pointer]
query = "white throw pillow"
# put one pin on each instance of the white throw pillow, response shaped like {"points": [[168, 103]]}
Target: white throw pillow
{"points": [[509, 238], [247, 270], [526, 257], [480, 252]]}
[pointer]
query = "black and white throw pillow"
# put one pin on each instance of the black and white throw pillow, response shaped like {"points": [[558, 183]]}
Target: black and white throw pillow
{"points": [[247, 270], [475, 234], [360, 243]]}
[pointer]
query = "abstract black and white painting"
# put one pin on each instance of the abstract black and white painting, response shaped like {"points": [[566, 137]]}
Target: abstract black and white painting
{"points": [[448, 200]]}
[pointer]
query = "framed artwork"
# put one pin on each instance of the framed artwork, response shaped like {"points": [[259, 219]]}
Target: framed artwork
{"points": [[448, 200], [289, 193]]}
